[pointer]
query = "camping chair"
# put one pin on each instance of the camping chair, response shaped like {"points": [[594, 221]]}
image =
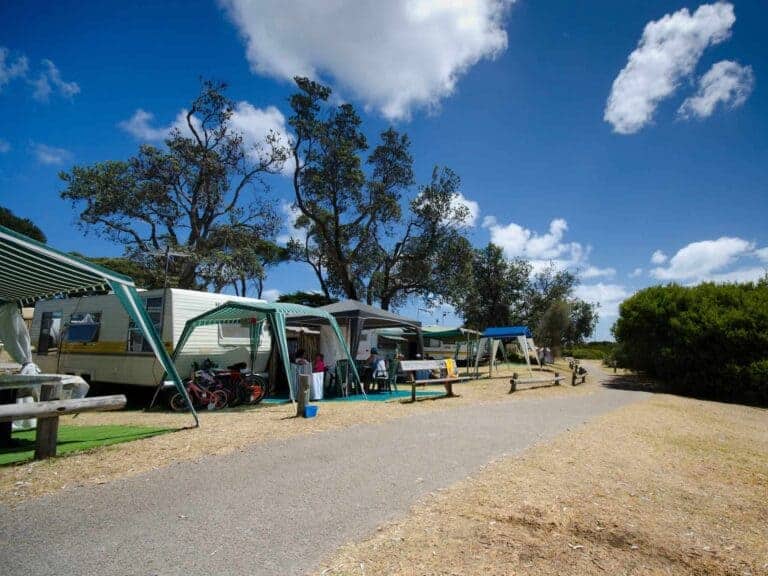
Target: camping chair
{"points": [[382, 378]]}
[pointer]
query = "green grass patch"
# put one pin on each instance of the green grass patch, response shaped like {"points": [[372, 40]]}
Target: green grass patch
{"points": [[76, 439]]}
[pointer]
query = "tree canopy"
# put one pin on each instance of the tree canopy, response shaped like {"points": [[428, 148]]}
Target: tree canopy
{"points": [[22, 225], [201, 199], [366, 229]]}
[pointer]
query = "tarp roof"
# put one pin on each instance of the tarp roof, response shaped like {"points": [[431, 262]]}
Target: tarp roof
{"points": [[31, 271], [507, 332], [447, 333], [371, 316]]}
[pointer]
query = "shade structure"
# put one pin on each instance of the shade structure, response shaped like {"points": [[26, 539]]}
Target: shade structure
{"points": [[358, 317], [31, 271], [507, 332], [279, 315], [448, 334]]}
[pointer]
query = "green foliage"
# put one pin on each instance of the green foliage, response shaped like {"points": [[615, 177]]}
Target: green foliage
{"points": [[360, 232], [201, 196], [486, 295], [709, 340], [591, 351], [553, 325], [311, 299], [21, 225]]}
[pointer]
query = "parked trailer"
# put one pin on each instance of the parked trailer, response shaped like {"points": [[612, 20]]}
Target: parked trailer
{"points": [[93, 337]]}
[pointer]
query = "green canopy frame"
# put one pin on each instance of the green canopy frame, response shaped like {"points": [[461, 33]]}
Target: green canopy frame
{"points": [[31, 271], [277, 314]]}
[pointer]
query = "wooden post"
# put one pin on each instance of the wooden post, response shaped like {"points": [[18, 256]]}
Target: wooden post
{"points": [[513, 383], [557, 378], [413, 391], [47, 428], [573, 377], [304, 384]]}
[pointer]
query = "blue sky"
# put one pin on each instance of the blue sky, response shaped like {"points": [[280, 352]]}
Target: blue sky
{"points": [[594, 138]]}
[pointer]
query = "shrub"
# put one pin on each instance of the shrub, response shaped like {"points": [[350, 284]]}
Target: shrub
{"points": [[708, 340], [591, 351]]}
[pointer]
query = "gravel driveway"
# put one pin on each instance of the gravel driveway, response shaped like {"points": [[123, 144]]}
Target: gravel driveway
{"points": [[279, 507]]}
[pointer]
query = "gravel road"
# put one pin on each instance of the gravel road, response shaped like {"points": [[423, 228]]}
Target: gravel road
{"points": [[280, 507]]}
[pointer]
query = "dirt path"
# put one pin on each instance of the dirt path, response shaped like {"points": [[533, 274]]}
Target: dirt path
{"points": [[278, 507]]}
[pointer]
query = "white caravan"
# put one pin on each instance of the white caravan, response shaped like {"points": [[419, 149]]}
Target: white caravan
{"points": [[93, 337]]}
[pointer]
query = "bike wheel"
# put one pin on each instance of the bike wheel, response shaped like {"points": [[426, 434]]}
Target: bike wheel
{"points": [[253, 389], [219, 399], [178, 403]]}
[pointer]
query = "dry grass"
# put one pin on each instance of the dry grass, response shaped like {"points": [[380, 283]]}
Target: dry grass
{"points": [[666, 486], [226, 431]]}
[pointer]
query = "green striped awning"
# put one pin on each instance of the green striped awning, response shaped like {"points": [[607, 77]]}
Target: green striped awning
{"points": [[31, 271]]}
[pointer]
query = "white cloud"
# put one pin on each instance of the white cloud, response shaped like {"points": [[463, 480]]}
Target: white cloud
{"points": [[668, 51], [595, 272], [50, 155], [5, 146], [395, 56], [473, 208], [636, 273], [658, 257], [254, 124], [762, 253], [49, 80], [700, 261], [270, 295], [608, 296], [726, 82], [291, 213], [517, 241], [10, 69]]}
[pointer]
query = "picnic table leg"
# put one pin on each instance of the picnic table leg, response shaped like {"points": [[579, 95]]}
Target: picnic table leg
{"points": [[6, 397], [449, 389], [413, 392], [47, 429]]}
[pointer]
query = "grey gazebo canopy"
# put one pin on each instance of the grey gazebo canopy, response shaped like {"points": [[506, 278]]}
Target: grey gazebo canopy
{"points": [[358, 316], [31, 271]]}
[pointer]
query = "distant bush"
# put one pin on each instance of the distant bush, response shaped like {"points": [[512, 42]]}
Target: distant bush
{"points": [[709, 340], [591, 351]]}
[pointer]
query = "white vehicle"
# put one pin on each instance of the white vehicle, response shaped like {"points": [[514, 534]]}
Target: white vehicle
{"points": [[93, 337]]}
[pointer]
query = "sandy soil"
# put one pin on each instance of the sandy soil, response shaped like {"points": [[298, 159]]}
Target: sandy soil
{"points": [[666, 486], [229, 430]]}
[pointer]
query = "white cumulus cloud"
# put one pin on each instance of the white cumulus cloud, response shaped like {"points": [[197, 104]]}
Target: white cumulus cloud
{"points": [[395, 55], [668, 51], [49, 80], [517, 241], [705, 260], [50, 155], [11, 68], [253, 123], [608, 296], [636, 273], [595, 272], [473, 208], [270, 295], [290, 214], [658, 257], [727, 83]]}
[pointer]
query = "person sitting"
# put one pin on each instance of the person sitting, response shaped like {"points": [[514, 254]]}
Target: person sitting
{"points": [[319, 364]]}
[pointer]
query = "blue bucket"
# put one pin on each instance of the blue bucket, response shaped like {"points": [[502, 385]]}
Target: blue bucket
{"points": [[310, 411]]}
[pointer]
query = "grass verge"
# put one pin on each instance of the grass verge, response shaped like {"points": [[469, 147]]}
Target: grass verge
{"points": [[77, 439], [666, 486]]}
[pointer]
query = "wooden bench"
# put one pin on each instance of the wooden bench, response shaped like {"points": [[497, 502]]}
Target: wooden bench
{"points": [[553, 380], [418, 365], [48, 410]]}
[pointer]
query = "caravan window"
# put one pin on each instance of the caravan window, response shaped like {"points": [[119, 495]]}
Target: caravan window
{"points": [[136, 341], [234, 334], [50, 331], [83, 327]]}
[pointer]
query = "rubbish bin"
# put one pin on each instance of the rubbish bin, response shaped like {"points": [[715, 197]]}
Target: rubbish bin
{"points": [[316, 390]]}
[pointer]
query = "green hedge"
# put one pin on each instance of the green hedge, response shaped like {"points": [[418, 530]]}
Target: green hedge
{"points": [[708, 340], [591, 351]]}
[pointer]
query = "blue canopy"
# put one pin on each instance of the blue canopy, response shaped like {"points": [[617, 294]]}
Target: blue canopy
{"points": [[507, 332]]}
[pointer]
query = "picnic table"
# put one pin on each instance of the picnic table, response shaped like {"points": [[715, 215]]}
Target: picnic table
{"points": [[48, 409], [415, 366]]}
